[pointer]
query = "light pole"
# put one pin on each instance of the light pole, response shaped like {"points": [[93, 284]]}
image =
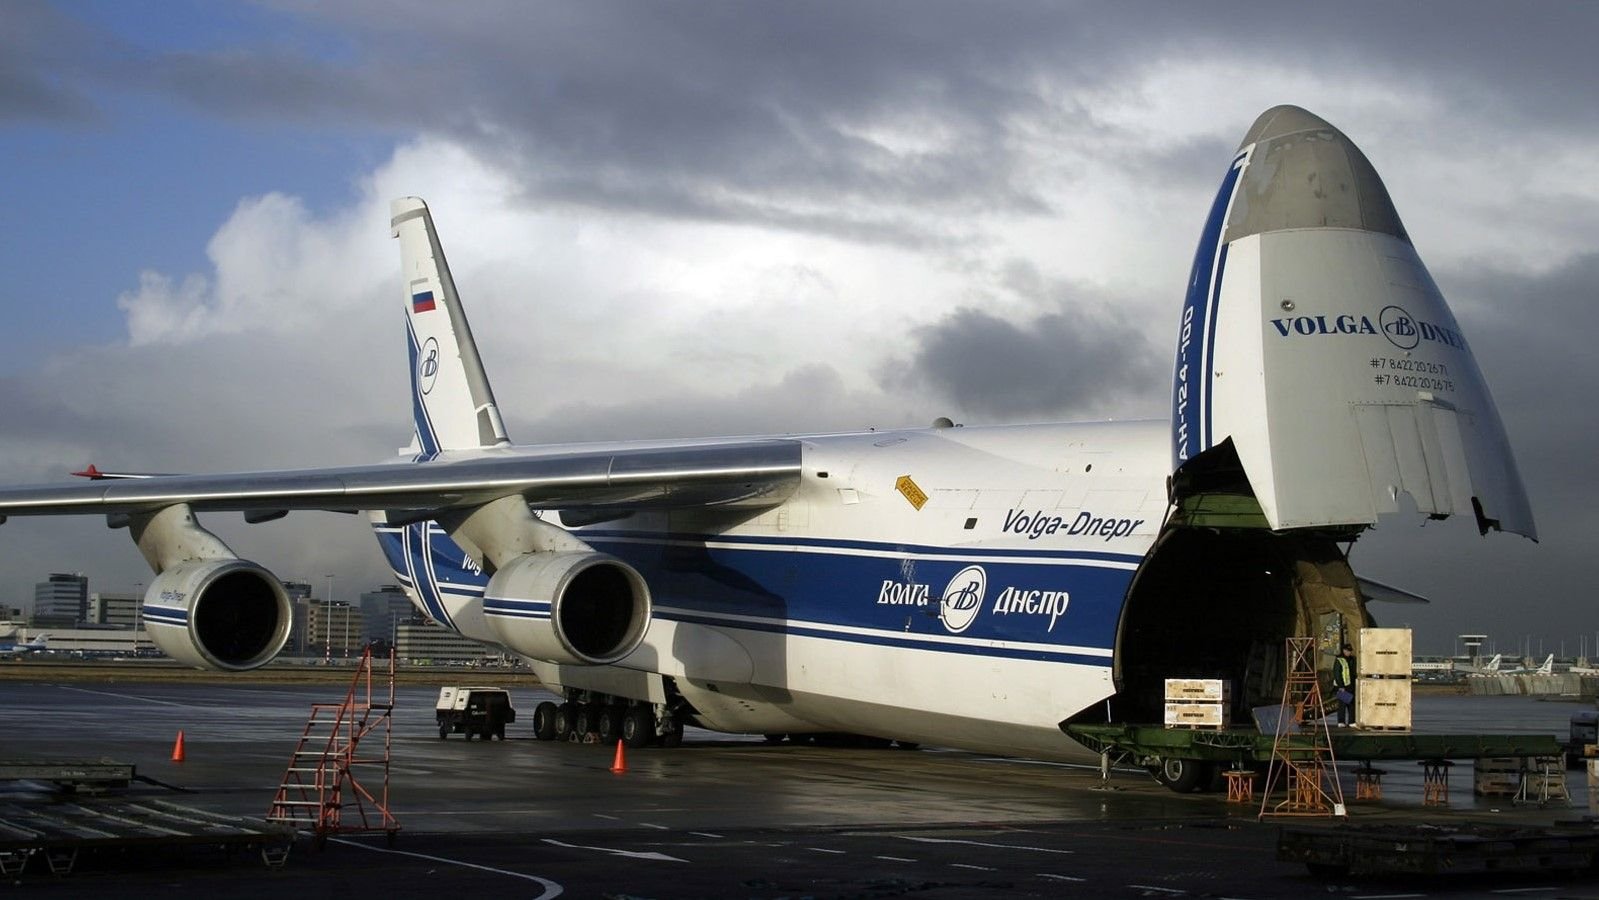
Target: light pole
{"points": [[327, 625]]}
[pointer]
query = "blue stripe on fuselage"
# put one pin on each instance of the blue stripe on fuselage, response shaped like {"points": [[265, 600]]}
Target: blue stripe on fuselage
{"points": [[852, 591], [1196, 333]]}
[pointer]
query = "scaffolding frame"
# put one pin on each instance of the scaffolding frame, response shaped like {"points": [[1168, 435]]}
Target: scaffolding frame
{"points": [[1302, 760], [321, 782]]}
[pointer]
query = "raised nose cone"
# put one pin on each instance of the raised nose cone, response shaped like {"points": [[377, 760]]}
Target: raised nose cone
{"points": [[1304, 173]]}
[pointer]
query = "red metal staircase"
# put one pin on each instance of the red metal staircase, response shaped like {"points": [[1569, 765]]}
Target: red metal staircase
{"points": [[321, 785], [1302, 758]]}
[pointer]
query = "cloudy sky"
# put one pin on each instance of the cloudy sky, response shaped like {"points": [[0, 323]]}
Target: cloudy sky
{"points": [[705, 218]]}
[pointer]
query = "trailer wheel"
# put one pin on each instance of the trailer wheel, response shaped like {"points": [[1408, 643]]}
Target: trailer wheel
{"points": [[1327, 869], [544, 721], [1182, 775]]}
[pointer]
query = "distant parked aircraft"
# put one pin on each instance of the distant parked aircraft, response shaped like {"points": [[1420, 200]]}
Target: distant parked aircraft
{"points": [[33, 646]]}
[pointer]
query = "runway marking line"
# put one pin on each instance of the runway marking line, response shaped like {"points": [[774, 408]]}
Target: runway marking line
{"points": [[1536, 890], [1386, 896], [930, 840], [894, 858], [1060, 877], [604, 816], [124, 696], [1150, 887], [970, 866], [551, 889], [630, 854], [656, 827], [704, 834], [824, 850]]}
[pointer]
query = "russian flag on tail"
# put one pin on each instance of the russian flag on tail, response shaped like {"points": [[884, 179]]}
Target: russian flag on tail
{"points": [[422, 302]]}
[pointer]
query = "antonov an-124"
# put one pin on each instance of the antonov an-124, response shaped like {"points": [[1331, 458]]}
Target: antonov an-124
{"points": [[970, 587]]}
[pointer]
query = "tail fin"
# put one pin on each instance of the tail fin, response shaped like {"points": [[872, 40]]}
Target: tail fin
{"points": [[1317, 356], [451, 400]]}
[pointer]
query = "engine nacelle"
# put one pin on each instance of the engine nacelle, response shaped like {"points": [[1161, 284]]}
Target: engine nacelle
{"points": [[574, 608], [227, 614]]}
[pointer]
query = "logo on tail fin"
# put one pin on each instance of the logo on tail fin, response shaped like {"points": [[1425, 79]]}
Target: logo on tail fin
{"points": [[428, 368]]}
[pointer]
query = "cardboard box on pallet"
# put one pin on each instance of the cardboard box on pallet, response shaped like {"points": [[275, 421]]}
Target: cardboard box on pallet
{"points": [[1209, 690], [1193, 714], [1384, 652], [1383, 703]]}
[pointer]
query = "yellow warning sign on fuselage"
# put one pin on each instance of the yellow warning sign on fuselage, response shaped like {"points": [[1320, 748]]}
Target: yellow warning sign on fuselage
{"points": [[912, 493]]}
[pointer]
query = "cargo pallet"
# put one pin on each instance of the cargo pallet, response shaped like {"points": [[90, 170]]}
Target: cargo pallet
{"points": [[1343, 850]]}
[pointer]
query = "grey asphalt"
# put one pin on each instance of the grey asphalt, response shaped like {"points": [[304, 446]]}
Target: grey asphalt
{"points": [[718, 817]]}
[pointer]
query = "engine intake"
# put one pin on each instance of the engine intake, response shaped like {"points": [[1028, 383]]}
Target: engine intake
{"points": [[573, 608], [228, 614]]}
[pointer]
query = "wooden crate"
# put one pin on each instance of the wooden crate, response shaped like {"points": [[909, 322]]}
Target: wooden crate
{"points": [[1187, 714], [1383, 703], [1384, 651], [1209, 690], [1496, 776]]}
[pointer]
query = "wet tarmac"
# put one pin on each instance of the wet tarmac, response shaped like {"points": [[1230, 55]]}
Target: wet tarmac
{"points": [[718, 817]]}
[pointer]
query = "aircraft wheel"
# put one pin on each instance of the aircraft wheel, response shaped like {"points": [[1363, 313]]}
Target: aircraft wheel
{"points": [[638, 726], [563, 722], [1182, 775], [673, 738], [608, 723], [544, 721], [582, 720]]}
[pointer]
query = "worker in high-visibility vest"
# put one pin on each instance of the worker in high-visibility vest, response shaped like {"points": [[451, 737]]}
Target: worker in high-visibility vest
{"points": [[1344, 685]]}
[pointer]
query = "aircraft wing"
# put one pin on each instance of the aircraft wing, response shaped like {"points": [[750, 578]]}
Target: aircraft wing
{"points": [[730, 473], [1374, 590]]}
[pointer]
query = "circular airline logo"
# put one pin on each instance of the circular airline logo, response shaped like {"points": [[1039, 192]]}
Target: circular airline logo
{"points": [[428, 368], [963, 599], [1399, 328]]}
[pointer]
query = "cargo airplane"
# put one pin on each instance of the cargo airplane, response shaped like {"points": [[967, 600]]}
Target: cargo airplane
{"points": [[973, 587]]}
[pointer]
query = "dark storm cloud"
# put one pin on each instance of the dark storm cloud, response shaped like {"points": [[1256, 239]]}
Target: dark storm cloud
{"points": [[1072, 359], [868, 121], [43, 55], [1532, 336]]}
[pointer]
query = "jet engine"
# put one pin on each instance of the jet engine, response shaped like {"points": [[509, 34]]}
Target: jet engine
{"points": [[227, 614], [575, 608]]}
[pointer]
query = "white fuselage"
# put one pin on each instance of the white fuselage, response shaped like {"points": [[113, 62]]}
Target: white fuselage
{"points": [[955, 585]]}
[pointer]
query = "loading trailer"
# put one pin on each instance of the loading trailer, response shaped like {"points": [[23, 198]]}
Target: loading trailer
{"points": [[1185, 759]]}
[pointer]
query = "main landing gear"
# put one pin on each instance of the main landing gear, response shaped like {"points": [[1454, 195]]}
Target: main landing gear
{"points": [[606, 720]]}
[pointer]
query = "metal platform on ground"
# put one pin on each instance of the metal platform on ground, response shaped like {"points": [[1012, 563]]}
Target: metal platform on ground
{"points": [[1248, 744], [69, 774], [1414, 849], [59, 824]]}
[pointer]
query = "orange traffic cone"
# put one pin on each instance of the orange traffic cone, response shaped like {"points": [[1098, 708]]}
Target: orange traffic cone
{"points": [[177, 748], [619, 765]]}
